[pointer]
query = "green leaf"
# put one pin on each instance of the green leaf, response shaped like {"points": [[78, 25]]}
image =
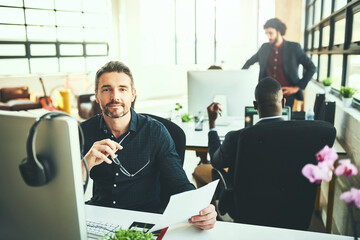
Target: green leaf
{"points": [[129, 234], [327, 81], [347, 92], [186, 117]]}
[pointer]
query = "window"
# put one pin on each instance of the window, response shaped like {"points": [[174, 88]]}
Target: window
{"points": [[317, 11], [41, 36], [336, 70], [339, 55], [315, 59], [210, 31], [326, 8], [354, 73], [323, 67], [339, 35], [325, 36], [355, 28], [316, 39]]}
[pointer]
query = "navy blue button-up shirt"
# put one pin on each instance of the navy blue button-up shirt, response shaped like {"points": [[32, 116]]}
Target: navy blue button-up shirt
{"points": [[146, 141]]}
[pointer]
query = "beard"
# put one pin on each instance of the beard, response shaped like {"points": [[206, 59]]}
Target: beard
{"points": [[116, 113], [275, 40]]}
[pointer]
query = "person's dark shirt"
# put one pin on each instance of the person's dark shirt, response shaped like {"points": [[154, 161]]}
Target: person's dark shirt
{"points": [[148, 140], [275, 67]]}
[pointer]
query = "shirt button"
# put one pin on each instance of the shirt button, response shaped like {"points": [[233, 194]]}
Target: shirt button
{"points": [[114, 202], [114, 185], [274, 67], [117, 174], [275, 59], [276, 52]]}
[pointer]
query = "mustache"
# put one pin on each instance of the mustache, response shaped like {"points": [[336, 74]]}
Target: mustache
{"points": [[115, 102]]}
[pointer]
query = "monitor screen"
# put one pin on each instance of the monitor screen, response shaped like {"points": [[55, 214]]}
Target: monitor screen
{"points": [[234, 89], [252, 116], [55, 210]]}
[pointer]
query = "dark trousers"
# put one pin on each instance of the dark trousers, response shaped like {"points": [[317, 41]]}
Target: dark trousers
{"points": [[290, 101]]}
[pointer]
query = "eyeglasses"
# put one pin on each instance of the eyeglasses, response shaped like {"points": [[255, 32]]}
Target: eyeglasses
{"points": [[124, 171]]}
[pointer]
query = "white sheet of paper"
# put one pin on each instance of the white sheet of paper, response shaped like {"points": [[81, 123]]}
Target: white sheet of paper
{"points": [[184, 205]]}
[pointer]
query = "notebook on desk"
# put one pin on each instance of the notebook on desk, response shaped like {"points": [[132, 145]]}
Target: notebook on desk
{"points": [[252, 116]]}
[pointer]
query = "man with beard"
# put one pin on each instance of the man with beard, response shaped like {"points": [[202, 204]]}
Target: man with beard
{"points": [[127, 153], [280, 59]]}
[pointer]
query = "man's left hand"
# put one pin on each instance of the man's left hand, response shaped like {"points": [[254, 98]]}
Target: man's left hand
{"points": [[287, 91], [206, 218]]}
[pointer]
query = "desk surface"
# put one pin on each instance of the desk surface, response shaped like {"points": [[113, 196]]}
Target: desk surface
{"points": [[198, 140], [222, 230]]}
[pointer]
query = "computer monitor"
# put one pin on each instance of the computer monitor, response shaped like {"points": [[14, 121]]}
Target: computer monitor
{"points": [[252, 116], [234, 89], [55, 210]]}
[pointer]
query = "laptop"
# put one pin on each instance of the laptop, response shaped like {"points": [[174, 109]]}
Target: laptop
{"points": [[252, 116]]}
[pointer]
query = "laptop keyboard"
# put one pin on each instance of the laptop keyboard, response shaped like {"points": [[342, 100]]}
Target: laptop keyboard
{"points": [[99, 229]]}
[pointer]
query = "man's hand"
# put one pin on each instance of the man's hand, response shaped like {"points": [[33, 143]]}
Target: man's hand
{"points": [[100, 151], [213, 111], [287, 91], [206, 218]]}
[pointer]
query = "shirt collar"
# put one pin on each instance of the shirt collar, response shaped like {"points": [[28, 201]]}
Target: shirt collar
{"points": [[272, 117], [132, 127]]}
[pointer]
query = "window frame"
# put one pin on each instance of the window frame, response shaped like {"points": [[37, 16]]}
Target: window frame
{"points": [[27, 43], [347, 48]]}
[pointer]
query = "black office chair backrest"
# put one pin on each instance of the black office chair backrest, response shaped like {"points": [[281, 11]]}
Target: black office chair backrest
{"points": [[320, 98], [179, 138], [269, 188], [176, 133]]}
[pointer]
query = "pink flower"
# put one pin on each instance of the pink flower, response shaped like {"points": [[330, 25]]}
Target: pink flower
{"points": [[317, 173], [351, 197], [327, 156], [346, 168]]}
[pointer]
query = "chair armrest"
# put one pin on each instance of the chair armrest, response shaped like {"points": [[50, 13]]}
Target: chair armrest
{"points": [[224, 178]]}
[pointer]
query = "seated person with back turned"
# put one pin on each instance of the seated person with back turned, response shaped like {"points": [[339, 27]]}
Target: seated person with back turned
{"points": [[269, 103], [141, 148]]}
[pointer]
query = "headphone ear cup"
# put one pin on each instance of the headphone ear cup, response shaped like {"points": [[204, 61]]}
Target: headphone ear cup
{"points": [[46, 163], [33, 174]]}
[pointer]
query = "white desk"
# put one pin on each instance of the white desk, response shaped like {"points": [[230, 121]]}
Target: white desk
{"points": [[222, 230], [198, 140]]}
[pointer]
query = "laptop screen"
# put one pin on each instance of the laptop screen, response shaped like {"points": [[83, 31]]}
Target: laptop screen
{"points": [[252, 116]]}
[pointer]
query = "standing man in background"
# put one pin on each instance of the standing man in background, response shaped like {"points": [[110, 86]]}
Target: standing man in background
{"points": [[280, 59]]}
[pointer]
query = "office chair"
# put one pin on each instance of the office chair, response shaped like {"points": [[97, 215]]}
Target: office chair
{"points": [[179, 138], [176, 133], [268, 186]]}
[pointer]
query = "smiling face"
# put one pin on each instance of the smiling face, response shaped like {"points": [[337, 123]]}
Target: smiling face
{"points": [[115, 94]]}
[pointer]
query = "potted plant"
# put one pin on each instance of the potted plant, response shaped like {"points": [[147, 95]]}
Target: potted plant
{"points": [[327, 84], [347, 94], [121, 234]]}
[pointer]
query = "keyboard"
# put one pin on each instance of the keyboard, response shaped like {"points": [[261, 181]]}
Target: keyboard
{"points": [[96, 230]]}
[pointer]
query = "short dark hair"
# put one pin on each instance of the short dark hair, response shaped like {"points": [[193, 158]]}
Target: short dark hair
{"points": [[267, 90], [113, 66], [277, 24], [215, 67]]}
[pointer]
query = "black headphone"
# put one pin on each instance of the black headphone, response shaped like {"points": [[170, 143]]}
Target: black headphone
{"points": [[36, 170]]}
